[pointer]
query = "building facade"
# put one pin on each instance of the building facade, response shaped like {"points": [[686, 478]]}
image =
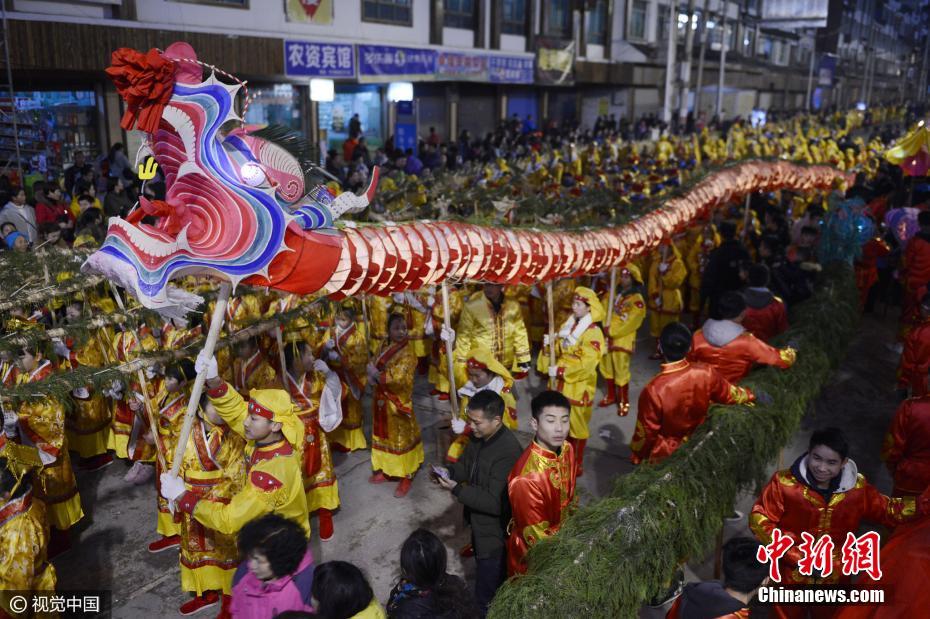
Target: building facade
{"points": [[471, 62]]}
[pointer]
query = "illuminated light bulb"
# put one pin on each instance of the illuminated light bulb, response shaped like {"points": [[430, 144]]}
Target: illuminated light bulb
{"points": [[252, 174]]}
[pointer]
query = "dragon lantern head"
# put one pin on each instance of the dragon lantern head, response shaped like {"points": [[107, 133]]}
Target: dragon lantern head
{"points": [[234, 193]]}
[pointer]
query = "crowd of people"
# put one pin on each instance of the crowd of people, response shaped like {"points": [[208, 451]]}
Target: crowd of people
{"points": [[258, 464]]}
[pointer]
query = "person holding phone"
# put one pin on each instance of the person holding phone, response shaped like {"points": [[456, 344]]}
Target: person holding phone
{"points": [[479, 481]]}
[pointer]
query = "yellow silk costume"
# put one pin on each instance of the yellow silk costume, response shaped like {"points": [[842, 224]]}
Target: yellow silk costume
{"points": [[482, 358], [577, 374], [125, 348], [24, 533], [319, 477], [439, 367], [171, 409], [214, 468], [377, 320], [274, 483], [254, 373], [88, 425], [696, 261], [629, 314], [503, 333], [43, 423], [665, 302], [353, 358], [396, 445]]}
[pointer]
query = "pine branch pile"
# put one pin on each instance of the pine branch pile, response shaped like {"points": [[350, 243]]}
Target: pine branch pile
{"points": [[613, 554]]}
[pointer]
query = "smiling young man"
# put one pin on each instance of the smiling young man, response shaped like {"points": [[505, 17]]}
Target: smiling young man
{"points": [[823, 494], [273, 435], [542, 482], [479, 481]]}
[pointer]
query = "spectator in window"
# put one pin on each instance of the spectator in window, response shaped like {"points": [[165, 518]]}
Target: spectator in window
{"points": [[116, 203], [20, 214], [340, 591], [276, 574], [426, 589]]}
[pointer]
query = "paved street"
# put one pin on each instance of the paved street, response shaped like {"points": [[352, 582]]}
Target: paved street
{"points": [[110, 552]]}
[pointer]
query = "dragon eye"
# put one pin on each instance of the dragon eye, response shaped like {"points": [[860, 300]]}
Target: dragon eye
{"points": [[252, 174]]}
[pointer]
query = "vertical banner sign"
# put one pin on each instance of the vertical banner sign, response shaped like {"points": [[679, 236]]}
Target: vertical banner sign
{"points": [[405, 129], [309, 59], [383, 63], [318, 12], [826, 70], [555, 63]]}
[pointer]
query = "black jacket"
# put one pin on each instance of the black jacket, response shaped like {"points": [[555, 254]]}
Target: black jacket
{"points": [[706, 600], [722, 271], [481, 474]]}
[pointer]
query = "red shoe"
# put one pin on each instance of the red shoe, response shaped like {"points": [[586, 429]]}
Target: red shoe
{"points": [[467, 551], [443, 397], [97, 462], [609, 397], [340, 448], [199, 603], [325, 518], [165, 543], [377, 478], [403, 487]]}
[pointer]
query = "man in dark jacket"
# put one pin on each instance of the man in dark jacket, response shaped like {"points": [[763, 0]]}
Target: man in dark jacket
{"points": [[479, 481], [722, 271]]}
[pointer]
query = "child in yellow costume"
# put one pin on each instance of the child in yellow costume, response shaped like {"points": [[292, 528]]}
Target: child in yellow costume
{"points": [[170, 405], [439, 368], [317, 392], [42, 422], [24, 533], [696, 262], [274, 439], [667, 274], [484, 373], [88, 425], [417, 308], [579, 346], [125, 347], [251, 369], [377, 321], [396, 445], [348, 356], [628, 314], [213, 468]]}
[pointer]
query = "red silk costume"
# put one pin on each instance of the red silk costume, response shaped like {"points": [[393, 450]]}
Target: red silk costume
{"points": [[916, 273], [906, 450], [767, 322], [790, 504], [541, 487], [735, 359], [675, 403], [915, 360], [867, 266]]}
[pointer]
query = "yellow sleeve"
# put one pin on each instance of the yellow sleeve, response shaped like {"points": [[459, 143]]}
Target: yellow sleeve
{"points": [[231, 407], [675, 276], [398, 376], [623, 327], [464, 335], [247, 505], [521, 341], [578, 363]]}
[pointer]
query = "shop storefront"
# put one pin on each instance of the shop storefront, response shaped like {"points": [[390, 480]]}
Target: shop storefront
{"points": [[52, 125], [335, 115], [277, 104]]}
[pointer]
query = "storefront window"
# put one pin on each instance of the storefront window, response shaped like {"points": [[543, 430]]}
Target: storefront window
{"points": [[335, 116], [597, 23], [275, 105], [638, 19], [51, 125], [514, 17]]}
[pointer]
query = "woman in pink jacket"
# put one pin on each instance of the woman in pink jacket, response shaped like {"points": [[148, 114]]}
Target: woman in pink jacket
{"points": [[276, 574]]}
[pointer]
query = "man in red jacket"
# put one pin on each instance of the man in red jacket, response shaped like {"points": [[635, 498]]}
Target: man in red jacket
{"points": [[916, 270], [675, 402], [726, 345], [906, 450], [915, 358], [765, 315]]}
